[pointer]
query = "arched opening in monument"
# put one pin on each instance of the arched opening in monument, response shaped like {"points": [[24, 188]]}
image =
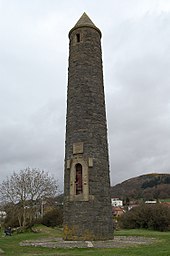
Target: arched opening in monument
{"points": [[79, 183]]}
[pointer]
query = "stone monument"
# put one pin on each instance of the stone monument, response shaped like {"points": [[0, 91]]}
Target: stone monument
{"points": [[87, 204]]}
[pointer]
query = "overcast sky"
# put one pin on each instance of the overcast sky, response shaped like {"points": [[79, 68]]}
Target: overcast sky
{"points": [[33, 83]]}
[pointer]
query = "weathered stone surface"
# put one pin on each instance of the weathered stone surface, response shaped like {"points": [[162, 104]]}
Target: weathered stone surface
{"points": [[87, 216]]}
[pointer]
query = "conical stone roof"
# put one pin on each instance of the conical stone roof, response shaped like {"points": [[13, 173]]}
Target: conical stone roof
{"points": [[84, 21]]}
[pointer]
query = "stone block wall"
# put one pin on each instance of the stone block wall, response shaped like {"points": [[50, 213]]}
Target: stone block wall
{"points": [[87, 216]]}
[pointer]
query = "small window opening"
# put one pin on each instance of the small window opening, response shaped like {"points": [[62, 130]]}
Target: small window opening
{"points": [[79, 185], [78, 38]]}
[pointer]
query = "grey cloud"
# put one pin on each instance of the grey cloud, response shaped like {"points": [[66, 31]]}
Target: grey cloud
{"points": [[138, 99], [33, 80]]}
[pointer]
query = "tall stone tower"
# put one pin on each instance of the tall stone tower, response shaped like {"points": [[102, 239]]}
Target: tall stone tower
{"points": [[87, 204]]}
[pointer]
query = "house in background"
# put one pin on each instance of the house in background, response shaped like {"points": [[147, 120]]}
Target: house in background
{"points": [[117, 211], [117, 207], [116, 202], [151, 202]]}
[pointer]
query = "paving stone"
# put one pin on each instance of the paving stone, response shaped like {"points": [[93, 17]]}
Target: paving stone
{"points": [[117, 242]]}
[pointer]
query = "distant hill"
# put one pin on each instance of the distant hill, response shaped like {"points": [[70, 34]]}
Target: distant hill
{"points": [[149, 186]]}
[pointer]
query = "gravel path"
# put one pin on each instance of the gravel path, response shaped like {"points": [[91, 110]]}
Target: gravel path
{"points": [[117, 242]]}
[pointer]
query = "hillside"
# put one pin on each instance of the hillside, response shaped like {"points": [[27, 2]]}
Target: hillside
{"points": [[149, 186]]}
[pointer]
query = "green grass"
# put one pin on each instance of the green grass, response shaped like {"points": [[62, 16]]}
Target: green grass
{"points": [[161, 247], [165, 200]]}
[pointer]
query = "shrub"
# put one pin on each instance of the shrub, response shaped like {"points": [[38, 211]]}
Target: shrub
{"points": [[156, 217], [53, 218]]}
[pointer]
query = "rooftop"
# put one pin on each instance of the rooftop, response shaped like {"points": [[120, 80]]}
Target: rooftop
{"points": [[85, 21]]}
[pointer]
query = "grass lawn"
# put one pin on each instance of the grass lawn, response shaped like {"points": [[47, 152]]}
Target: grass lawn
{"points": [[165, 200], [10, 245]]}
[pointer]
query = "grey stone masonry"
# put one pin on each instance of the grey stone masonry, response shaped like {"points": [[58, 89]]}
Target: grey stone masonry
{"points": [[87, 204]]}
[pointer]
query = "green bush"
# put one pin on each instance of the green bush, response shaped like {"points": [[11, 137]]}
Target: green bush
{"points": [[156, 217], [53, 218]]}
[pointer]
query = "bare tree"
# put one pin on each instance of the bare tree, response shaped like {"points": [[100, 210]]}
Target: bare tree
{"points": [[27, 188]]}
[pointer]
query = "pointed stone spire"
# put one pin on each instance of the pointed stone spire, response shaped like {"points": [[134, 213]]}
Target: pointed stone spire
{"points": [[85, 21]]}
